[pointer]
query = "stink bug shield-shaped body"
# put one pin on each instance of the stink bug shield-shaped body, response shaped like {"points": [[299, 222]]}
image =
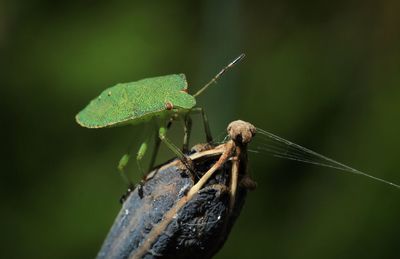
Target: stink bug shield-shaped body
{"points": [[161, 99], [137, 102]]}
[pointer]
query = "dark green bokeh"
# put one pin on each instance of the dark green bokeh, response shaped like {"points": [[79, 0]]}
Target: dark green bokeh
{"points": [[321, 73]]}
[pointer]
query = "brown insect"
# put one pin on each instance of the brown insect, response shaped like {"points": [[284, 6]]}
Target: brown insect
{"points": [[180, 216]]}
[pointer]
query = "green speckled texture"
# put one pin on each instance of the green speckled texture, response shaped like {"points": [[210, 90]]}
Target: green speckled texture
{"points": [[135, 102]]}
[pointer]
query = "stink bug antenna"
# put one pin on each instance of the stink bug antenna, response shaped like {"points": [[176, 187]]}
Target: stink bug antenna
{"points": [[215, 78]]}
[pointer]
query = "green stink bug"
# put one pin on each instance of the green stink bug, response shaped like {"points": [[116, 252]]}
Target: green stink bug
{"points": [[161, 99]]}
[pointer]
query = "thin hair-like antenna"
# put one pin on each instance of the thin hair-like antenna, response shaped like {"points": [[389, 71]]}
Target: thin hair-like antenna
{"points": [[215, 78]]}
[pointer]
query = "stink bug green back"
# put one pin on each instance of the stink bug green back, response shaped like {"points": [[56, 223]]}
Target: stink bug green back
{"points": [[136, 102]]}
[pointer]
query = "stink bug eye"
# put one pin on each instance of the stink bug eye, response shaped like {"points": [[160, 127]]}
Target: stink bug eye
{"points": [[169, 106]]}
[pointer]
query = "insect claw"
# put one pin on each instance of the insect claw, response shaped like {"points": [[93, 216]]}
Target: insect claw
{"points": [[125, 196], [188, 163], [140, 189]]}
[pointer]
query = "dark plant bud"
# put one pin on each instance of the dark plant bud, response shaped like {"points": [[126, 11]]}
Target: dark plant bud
{"points": [[197, 230]]}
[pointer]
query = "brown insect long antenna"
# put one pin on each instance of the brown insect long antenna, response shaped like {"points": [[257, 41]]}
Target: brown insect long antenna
{"points": [[215, 78]]}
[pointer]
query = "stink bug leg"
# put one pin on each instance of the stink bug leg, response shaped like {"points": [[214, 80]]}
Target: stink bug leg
{"points": [[162, 133], [123, 162], [140, 154], [187, 128], [206, 125]]}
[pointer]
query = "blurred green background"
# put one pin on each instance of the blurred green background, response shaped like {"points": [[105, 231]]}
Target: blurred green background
{"points": [[325, 74]]}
